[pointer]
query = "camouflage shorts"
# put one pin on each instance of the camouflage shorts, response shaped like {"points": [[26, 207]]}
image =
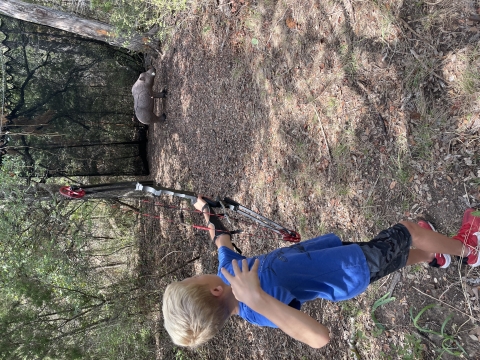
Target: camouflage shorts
{"points": [[387, 252]]}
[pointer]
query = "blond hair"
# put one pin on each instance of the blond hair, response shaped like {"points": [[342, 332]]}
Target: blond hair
{"points": [[192, 315]]}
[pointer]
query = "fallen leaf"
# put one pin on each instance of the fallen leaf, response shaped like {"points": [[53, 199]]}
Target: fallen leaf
{"points": [[292, 24], [449, 179], [415, 115]]}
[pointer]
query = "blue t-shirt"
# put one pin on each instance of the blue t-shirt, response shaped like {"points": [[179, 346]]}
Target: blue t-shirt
{"points": [[317, 268]]}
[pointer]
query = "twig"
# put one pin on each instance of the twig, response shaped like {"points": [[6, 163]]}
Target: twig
{"points": [[172, 252], [382, 121], [410, 28], [179, 267], [274, 27], [448, 288], [131, 207], [417, 34], [466, 194], [395, 280], [323, 132], [444, 303]]}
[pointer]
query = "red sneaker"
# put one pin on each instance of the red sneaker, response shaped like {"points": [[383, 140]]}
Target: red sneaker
{"points": [[469, 234], [441, 260]]}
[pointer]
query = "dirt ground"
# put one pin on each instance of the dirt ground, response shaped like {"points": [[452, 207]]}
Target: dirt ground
{"points": [[326, 116]]}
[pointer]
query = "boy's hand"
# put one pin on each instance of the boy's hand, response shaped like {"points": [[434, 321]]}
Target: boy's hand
{"points": [[246, 289], [245, 284], [200, 203]]}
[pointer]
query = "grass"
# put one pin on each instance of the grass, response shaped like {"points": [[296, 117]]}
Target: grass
{"points": [[470, 81], [417, 73], [350, 308], [401, 167], [343, 190], [253, 21], [349, 60], [331, 107], [416, 268], [450, 343], [412, 349], [386, 25], [180, 354], [341, 157], [385, 299], [422, 148], [237, 71], [321, 228], [302, 225]]}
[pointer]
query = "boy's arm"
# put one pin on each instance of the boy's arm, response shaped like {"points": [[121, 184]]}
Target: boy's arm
{"points": [[246, 288], [221, 240]]}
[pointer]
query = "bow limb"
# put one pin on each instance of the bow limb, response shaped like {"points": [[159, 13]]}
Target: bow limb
{"points": [[158, 190], [287, 235], [79, 191]]}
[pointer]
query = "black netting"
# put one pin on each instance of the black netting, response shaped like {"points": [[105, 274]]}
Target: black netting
{"points": [[69, 107]]}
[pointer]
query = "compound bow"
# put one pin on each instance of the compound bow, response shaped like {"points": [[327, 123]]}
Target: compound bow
{"points": [[79, 192]]}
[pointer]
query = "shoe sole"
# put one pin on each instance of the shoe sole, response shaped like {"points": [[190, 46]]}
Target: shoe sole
{"points": [[448, 261]]}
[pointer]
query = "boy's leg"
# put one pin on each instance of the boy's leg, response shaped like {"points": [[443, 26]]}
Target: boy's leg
{"points": [[439, 260], [416, 256], [433, 242], [468, 236], [390, 249]]}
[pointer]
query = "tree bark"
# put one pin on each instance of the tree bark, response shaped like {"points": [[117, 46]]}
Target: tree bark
{"points": [[91, 29]]}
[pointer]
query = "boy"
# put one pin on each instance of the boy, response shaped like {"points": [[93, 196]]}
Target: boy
{"points": [[268, 290]]}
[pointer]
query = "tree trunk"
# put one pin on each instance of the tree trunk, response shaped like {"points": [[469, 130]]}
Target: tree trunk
{"points": [[91, 29]]}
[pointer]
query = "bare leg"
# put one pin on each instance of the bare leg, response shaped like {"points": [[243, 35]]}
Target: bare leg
{"points": [[433, 242], [416, 256]]}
